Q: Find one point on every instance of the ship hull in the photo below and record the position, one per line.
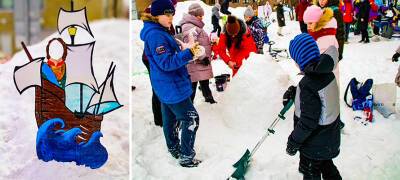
(50, 103)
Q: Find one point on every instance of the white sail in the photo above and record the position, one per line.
(105, 101)
(28, 75)
(73, 18)
(79, 65)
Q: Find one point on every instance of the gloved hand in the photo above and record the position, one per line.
(395, 57)
(232, 64)
(292, 147)
(205, 61)
(288, 95)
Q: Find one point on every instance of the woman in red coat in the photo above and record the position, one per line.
(235, 43)
(348, 14)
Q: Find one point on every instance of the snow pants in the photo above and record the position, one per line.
(184, 113)
(312, 169)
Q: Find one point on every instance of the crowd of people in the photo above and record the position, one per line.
(177, 64)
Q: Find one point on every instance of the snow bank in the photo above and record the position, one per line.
(18, 125)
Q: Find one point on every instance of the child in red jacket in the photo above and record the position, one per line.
(237, 40)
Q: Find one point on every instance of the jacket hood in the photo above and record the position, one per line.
(187, 18)
(149, 26)
(326, 64)
(253, 19)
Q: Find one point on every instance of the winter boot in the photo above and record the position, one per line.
(175, 153)
(191, 163)
(210, 100)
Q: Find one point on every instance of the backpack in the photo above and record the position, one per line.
(362, 98)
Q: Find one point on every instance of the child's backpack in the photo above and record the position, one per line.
(362, 98)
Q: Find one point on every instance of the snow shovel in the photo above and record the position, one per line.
(244, 162)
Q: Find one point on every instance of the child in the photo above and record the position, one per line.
(316, 131)
(280, 16)
(215, 19)
(200, 70)
(256, 27)
(321, 26)
(170, 80)
(214, 45)
(235, 44)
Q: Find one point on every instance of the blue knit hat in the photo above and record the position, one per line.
(162, 7)
(304, 50)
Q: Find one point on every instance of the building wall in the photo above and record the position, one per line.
(7, 35)
(95, 10)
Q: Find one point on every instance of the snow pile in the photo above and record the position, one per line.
(250, 104)
(18, 125)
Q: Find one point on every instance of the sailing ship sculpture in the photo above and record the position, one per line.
(69, 112)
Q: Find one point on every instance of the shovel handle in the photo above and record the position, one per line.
(286, 108)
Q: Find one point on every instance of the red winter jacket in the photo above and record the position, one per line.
(236, 55)
(300, 8)
(348, 12)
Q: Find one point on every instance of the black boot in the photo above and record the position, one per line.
(190, 164)
(210, 100)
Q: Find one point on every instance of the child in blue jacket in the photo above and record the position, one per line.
(170, 80)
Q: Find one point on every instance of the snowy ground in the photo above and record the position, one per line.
(250, 104)
(18, 125)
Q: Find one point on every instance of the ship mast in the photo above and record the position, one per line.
(72, 33)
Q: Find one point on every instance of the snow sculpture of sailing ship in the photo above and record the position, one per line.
(79, 102)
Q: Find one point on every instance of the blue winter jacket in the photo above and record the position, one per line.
(168, 74)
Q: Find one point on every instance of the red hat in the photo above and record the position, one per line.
(232, 26)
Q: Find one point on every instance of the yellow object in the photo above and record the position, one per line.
(7, 30)
(95, 10)
(72, 31)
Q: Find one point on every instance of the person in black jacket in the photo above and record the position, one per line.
(363, 17)
(224, 7)
(316, 131)
(215, 19)
(280, 16)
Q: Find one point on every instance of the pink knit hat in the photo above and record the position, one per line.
(312, 14)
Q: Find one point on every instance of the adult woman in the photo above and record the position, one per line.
(200, 70)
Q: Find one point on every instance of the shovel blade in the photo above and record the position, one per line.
(241, 166)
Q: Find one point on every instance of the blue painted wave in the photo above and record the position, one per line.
(61, 146)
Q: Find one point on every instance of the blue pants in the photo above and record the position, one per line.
(184, 113)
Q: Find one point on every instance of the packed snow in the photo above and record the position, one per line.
(17, 119)
(251, 102)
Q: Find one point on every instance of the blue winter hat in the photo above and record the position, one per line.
(162, 7)
(303, 50)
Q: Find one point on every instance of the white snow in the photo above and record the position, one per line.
(18, 125)
(250, 104)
